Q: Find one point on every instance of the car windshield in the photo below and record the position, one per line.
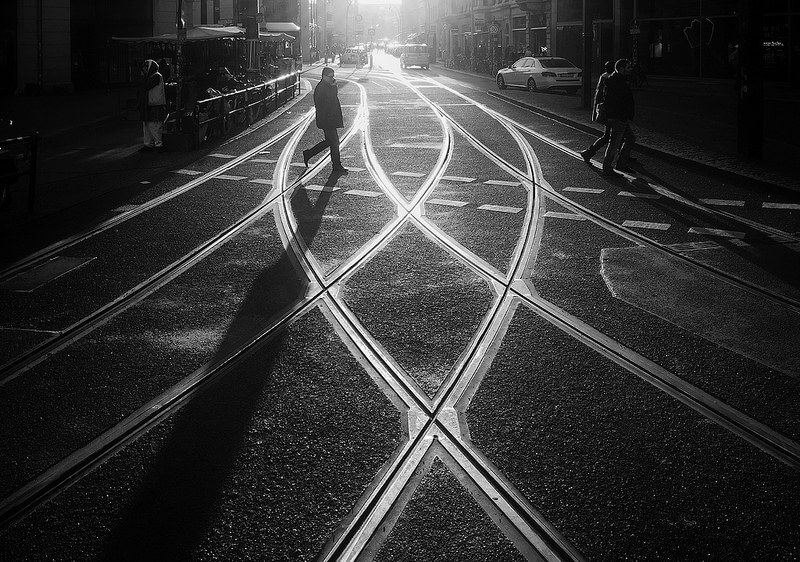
(556, 63)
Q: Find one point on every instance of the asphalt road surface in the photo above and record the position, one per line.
(471, 347)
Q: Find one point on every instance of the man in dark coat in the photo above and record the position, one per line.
(152, 106)
(329, 119)
(618, 101)
(598, 98)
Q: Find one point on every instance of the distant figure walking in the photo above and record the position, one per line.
(152, 106)
(329, 119)
(598, 98)
(619, 104)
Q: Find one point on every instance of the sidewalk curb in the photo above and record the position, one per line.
(650, 151)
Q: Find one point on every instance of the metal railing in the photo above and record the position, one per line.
(14, 151)
(218, 116)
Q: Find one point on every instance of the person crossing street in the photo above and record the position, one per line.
(619, 103)
(329, 119)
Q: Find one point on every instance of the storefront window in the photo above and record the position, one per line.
(672, 48)
(668, 8)
(776, 52)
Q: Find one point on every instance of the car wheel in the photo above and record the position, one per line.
(500, 82)
(532, 85)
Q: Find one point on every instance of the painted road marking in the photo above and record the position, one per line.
(188, 172)
(651, 225)
(353, 169)
(448, 202)
(298, 164)
(217, 155)
(424, 145)
(780, 206)
(639, 195)
(458, 178)
(261, 181)
(502, 182)
(737, 242)
(231, 178)
(29, 281)
(125, 208)
(584, 189)
(264, 161)
(315, 187)
(144, 182)
(499, 208)
(723, 202)
(716, 232)
(694, 246)
(408, 174)
(570, 216)
(362, 193)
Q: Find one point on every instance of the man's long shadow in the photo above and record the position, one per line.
(183, 487)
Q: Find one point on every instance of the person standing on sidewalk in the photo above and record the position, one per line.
(598, 98)
(152, 106)
(619, 104)
(329, 119)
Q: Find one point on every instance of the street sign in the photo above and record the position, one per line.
(494, 29)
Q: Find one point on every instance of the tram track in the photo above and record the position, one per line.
(435, 433)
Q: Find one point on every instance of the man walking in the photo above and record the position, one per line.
(329, 119)
(598, 98)
(152, 107)
(619, 106)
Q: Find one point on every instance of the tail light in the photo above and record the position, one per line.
(550, 74)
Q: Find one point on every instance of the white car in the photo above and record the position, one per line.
(541, 73)
(415, 55)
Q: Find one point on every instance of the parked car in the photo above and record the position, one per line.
(353, 55)
(415, 54)
(541, 73)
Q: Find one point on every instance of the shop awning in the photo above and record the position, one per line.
(275, 37)
(194, 34)
(279, 26)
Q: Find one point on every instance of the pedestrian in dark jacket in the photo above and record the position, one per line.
(598, 98)
(329, 119)
(618, 101)
(152, 106)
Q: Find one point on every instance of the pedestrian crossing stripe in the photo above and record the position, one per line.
(458, 179)
(502, 182)
(780, 206)
(570, 216)
(408, 174)
(217, 155)
(261, 181)
(188, 172)
(298, 164)
(231, 178)
(650, 225)
(362, 193)
(639, 195)
(352, 169)
(499, 208)
(584, 189)
(448, 202)
(315, 187)
(723, 202)
(264, 161)
(144, 182)
(716, 232)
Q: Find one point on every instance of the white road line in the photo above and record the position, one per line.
(264, 161)
(356, 169)
(144, 182)
(362, 193)
(188, 172)
(424, 145)
(780, 206)
(448, 202)
(499, 208)
(458, 178)
(584, 189)
(217, 155)
(570, 216)
(694, 246)
(502, 182)
(408, 174)
(651, 225)
(639, 195)
(716, 232)
(261, 181)
(315, 187)
(231, 178)
(723, 202)
(298, 164)
(125, 208)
